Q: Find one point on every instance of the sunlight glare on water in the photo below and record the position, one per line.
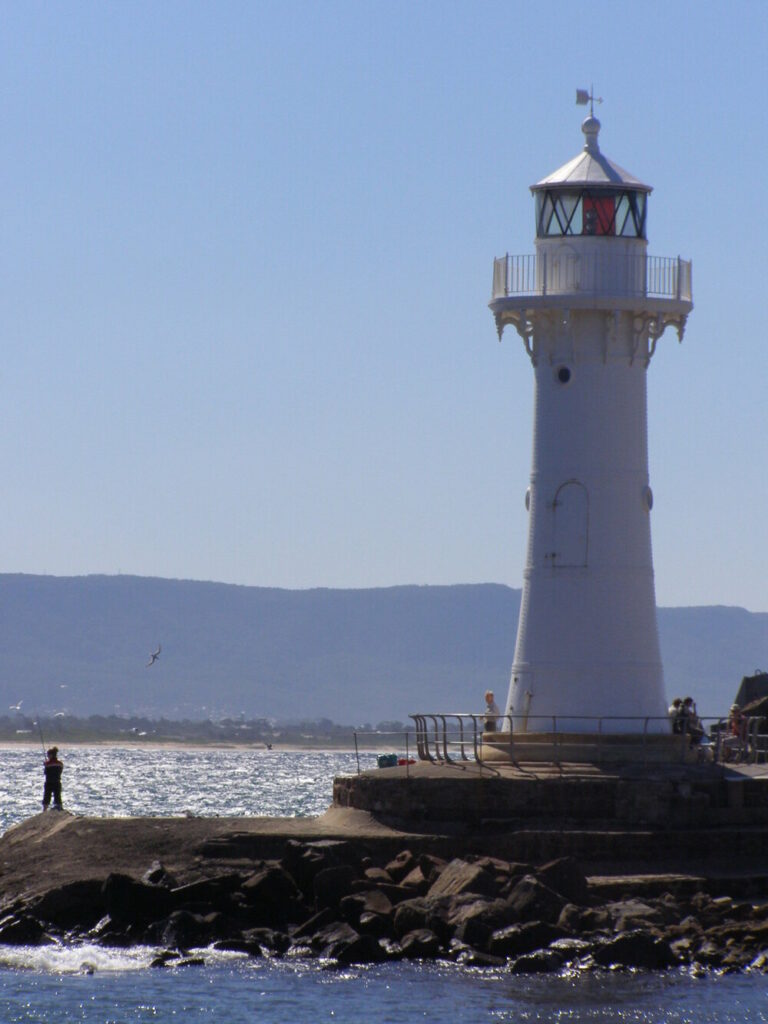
(107, 781)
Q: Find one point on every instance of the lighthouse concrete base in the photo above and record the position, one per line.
(497, 797)
(589, 748)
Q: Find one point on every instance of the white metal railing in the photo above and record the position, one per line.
(605, 273)
(451, 737)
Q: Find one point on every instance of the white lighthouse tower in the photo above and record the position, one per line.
(590, 306)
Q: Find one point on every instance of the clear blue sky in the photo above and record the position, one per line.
(247, 252)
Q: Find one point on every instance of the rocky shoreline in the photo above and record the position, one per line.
(353, 900)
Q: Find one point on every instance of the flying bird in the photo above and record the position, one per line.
(16, 707)
(154, 656)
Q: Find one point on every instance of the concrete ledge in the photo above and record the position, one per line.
(597, 748)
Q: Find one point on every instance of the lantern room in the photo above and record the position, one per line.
(590, 195)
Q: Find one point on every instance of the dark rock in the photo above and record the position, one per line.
(631, 914)
(239, 946)
(410, 915)
(516, 871)
(458, 876)
(333, 934)
(635, 949)
(351, 907)
(497, 867)
(371, 902)
(571, 949)
(109, 933)
(394, 893)
(689, 927)
(416, 881)
(268, 938)
(313, 924)
(272, 895)
(76, 904)
(545, 961)
(363, 949)
(392, 949)
(470, 957)
(128, 901)
(517, 940)
(534, 901)
(570, 918)
(474, 923)
(431, 866)
(331, 885)
(191, 961)
(668, 909)
(401, 865)
(304, 861)
(378, 875)
(207, 890)
(683, 949)
(594, 919)
(565, 876)
(22, 931)
(156, 874)
(184, 930)
(164, 958)
(420, 944)
(708, 954)
(376, 924)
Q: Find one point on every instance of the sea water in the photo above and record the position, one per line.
(81, 982)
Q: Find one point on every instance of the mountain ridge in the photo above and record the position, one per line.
(354, 655)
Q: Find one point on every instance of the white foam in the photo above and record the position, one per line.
(79, 959)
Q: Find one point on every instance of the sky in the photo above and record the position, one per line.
(246, 261)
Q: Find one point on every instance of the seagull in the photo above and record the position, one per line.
(15, 707)
(154, 656)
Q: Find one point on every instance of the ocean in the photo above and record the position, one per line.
(70, 983)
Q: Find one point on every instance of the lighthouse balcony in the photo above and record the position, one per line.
(596, 279)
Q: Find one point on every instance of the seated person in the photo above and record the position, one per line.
(691, 721)
(675, 713)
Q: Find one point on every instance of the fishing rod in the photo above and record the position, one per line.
(40, 730)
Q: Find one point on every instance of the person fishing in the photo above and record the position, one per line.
(52, 768)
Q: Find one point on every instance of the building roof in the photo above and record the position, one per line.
(590, 167)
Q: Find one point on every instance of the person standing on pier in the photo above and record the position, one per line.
(491, 712)
(52, 768)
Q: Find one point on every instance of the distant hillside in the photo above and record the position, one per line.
(81, 644)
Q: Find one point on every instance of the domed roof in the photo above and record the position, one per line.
(590, 168)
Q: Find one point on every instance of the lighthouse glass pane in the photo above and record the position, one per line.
(548, 223)
(640, 207)
(539, 213)
(625, 222)
(598, 215)
(630, 215)
(570, 214)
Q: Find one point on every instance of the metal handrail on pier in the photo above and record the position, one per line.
(454, 737)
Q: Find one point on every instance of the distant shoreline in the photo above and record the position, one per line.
(165, 744)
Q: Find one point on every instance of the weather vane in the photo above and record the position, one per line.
(583, 98)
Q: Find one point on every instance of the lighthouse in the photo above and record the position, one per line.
(590, 307)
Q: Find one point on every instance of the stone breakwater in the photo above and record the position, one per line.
(367, 896)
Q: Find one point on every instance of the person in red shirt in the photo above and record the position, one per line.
(52, 768)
